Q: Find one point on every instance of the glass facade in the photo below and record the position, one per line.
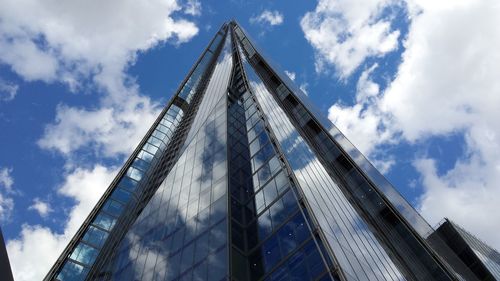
(483, 260)
(240, 178)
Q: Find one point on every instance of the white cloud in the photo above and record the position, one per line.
(363, 123)
(37, 248)
(42, 208)
(53, 40)
(384, 165)
(193, 7)
(290, 75)
(34, 252)
(70, 42)
(268, 17)
(8, 90)
(468, 194)
(344, 33)
(6, 179)
(112, 130)
(446, 84)
(6, 202)
(6, 207)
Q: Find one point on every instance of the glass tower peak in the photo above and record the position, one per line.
(241, 178)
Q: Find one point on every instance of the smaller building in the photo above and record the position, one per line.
(480, 258)
(5, 271)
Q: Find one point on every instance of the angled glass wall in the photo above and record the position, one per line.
(370, 237)
(182, 231)
(127, 188)
(272, 237)
(352, 243)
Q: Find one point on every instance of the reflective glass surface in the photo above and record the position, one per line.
(269, 230)
(125, 193)
(182, 231)
(488, 256)
(254, 183)
(359, 253)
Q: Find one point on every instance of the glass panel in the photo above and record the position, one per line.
(121, 195)
(84, 253)
(72, 272)
(104, 221)
(146, 156)
(95, 236)
(271, 252)
(135, 173)
(140, 164)
(128, 183)
(113, 207)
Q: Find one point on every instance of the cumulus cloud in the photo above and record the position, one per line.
(6, 202)
(112, 130)
(88, 47)
(37, 248)
(41, 207)
(344, 33)
(446, 84)
(6, 207)
(8, 90)
(48, 41)
(6, 179)
(75, 43)
(363, 123)
(76, 51)
(268, 17)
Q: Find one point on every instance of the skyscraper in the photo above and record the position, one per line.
(241, 178)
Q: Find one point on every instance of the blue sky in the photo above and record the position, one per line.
(413, 84)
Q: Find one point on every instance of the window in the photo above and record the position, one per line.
(121, 195)
(84, 253)
(202, 247)
(297, 267)
(278, 213)
(104, 221)
(113, 207)
(314, 262)
(271, 253)
(72, 272)
(264, 224)
(217, 266)
(187, 257)
(127, 184)
(270, 192)
(287, 238)
(264, 174)
(260, 203)
(135, 173)
(145, 156)
(95, 236)
(140, 164)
